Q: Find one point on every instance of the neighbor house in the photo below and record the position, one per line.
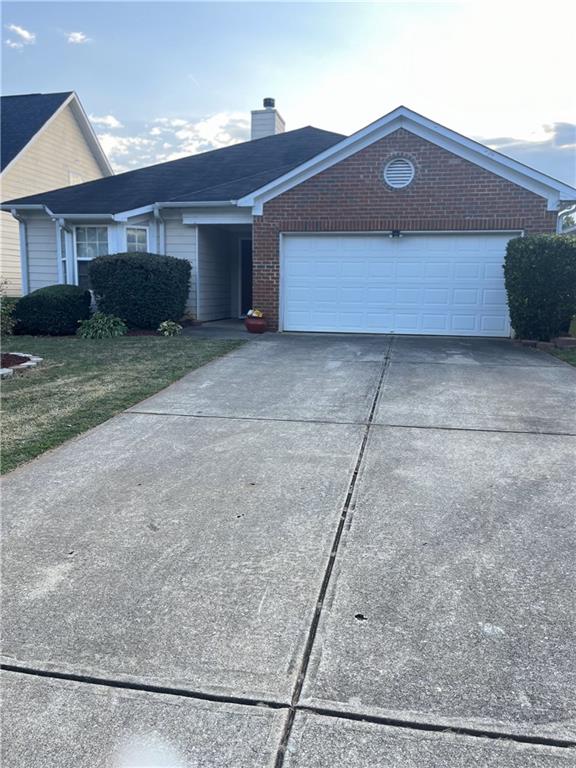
(47, 142)
(398, 228)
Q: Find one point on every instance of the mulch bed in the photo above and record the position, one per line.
(141, 332)
(8, 360)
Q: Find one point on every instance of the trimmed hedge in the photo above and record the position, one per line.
(52, 311)
(143, 289)
(540, 274)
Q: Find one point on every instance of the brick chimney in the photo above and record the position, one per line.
(267, 121)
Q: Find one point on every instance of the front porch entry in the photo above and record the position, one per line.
(224, 276)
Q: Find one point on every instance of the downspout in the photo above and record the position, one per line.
(24, 267)
(60, 268)
(561, 214)
(63, 256)
(160, 229)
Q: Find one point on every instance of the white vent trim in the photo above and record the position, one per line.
(399, 172)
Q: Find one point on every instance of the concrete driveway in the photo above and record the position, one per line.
(317, 552)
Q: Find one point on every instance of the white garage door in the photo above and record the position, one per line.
(423, 284)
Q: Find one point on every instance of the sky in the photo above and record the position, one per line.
(161, 80)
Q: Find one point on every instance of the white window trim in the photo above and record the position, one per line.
(78, 258)
(137, 226)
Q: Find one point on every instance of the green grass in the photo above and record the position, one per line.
(82, 382)
(568, 355)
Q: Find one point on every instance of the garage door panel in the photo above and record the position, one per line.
(434, 284)
(434, 323)
(437, 270)
(493, 297)
(437, 296)
(492, 323)
(380, 269)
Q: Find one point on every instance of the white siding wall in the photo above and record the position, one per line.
(216, 262)
(43, 267)
(182, 242)
(46, 164)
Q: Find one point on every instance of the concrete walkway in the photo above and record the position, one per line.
(316, 552)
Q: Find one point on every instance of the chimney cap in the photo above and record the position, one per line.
(269, 103)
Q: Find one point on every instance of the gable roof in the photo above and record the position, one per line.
(221, 174)
(24, 116)
(250, 173)
(553, 190)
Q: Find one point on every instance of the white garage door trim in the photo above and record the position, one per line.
(431, 283)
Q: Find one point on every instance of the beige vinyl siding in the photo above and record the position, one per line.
(216, 264)
(46, 163)
(42, 260)
(181, 241)
(10, 256)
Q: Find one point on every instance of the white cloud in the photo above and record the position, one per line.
(23, 36)
(170, 122)
(77, 38)
(170, 138)
(123, 145)
(220, 130)
(108, 121)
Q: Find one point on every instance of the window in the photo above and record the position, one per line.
(90, 242)
(136, 239)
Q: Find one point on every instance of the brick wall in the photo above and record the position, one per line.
(447, 193)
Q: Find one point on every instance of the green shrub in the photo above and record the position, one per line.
(101, 326)
(170, 328)
(142, 288)
(54, 311)
(7, 304)
(540, 274)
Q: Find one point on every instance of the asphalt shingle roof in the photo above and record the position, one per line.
(22, 117)
(222, 174)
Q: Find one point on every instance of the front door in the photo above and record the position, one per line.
(245, 276)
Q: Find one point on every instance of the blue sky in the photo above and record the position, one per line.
(172, 78)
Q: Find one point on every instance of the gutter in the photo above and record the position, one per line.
(200, 204)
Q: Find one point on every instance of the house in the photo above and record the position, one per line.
(47, 142)
(400, 227)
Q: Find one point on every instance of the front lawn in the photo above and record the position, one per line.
(83, 382)
(568, 355)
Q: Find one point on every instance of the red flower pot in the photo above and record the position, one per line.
(255, 324)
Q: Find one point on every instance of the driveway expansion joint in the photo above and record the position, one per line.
(145, 687)
(290, 709)
(347, 507)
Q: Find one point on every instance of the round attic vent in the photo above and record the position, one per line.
(398, 173)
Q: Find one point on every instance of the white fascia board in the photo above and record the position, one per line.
(26, 207)
(545, 186)
(125, 215)
(198, 204)
(84, 216)
(204, 216)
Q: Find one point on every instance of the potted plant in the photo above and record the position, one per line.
(255, 321)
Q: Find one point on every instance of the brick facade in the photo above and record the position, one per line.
(447, 193)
